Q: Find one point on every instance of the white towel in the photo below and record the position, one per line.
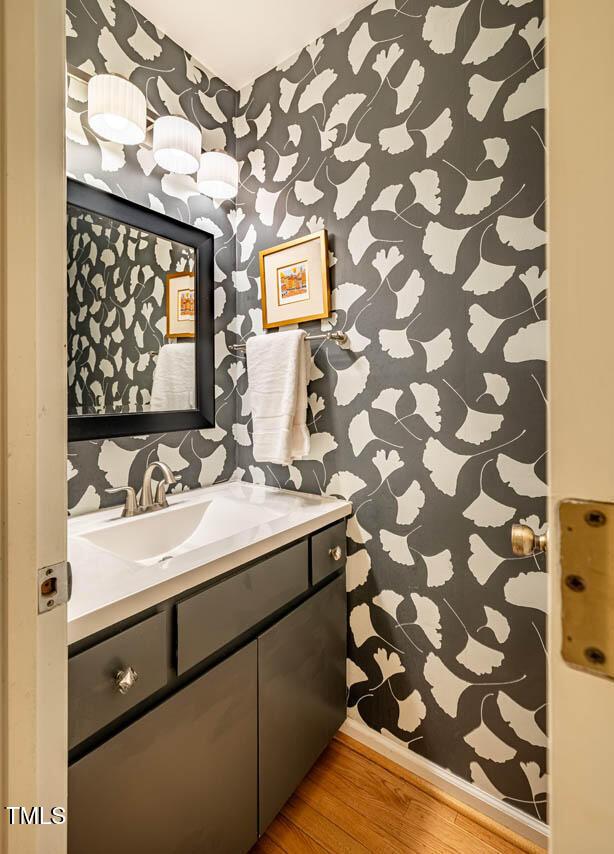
(278, 367)
(174, 379)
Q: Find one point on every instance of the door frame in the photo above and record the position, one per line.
(33, 709)
(580, 431)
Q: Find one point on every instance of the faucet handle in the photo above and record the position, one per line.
(161, 494)
(131, 506)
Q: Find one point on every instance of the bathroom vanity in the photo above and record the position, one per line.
(206, 666)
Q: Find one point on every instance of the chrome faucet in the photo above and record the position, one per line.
(147, 503)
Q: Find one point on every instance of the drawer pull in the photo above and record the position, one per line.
(125, 679)
(336, 553)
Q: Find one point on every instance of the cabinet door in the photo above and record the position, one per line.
(301, 693)
(180, 780)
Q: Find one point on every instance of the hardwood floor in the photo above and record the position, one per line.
(355, 801)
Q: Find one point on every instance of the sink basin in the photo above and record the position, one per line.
(122, 567)
(163, 534)
(152, 536)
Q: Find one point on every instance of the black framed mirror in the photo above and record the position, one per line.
(140, 319)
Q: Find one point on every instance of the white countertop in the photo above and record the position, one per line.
(108, 588)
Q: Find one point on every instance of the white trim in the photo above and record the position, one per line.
(33, 662)
(485, 803)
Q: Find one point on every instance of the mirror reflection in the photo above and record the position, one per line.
(131, 318)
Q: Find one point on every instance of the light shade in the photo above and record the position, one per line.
(176, 144)
(218, 176)
(116, 109)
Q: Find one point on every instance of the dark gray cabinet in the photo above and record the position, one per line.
(182, 779)
(328, 552)
(301, 693)
(184, 763)
(208, 620)
(94, 698)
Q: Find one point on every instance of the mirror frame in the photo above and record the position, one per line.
(112, 425)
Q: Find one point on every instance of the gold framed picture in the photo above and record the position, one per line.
(294, 281)
(180, 305)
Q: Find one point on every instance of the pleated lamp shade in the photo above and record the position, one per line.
(218, 176)
(116, 109)
(176, 144)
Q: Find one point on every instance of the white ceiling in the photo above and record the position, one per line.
(238, 40)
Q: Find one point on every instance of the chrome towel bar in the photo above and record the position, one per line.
(339, 338)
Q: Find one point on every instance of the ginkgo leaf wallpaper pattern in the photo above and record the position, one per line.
(415, 134)
(108, 260)
(110, 36)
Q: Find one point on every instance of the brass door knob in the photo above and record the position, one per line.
(525, 541)
(336, 553)
(125, 679)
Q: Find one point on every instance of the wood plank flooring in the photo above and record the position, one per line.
(356, 802)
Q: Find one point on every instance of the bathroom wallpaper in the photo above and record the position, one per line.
(116, 311)
(110, 36)
(415, 134)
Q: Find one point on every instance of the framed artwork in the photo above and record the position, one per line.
(180, 305)
(294, 281)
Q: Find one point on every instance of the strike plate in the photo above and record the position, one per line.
(587, 584)
(54, 586)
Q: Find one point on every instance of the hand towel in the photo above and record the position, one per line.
(278, 368)
(174, 378)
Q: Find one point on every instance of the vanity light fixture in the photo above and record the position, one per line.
(116, 109)
(176, 144)
(218, 176)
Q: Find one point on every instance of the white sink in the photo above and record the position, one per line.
(121, 567)
(163, 534)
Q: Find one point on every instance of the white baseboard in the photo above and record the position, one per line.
(500, 811)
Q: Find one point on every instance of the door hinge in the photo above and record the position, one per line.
(54, 586)
(587, 584)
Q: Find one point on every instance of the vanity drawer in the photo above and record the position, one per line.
(94, 699)
(323, 551)
(182, 779)
(218, 615)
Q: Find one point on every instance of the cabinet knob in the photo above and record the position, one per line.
(125, 679)
(336, 553)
